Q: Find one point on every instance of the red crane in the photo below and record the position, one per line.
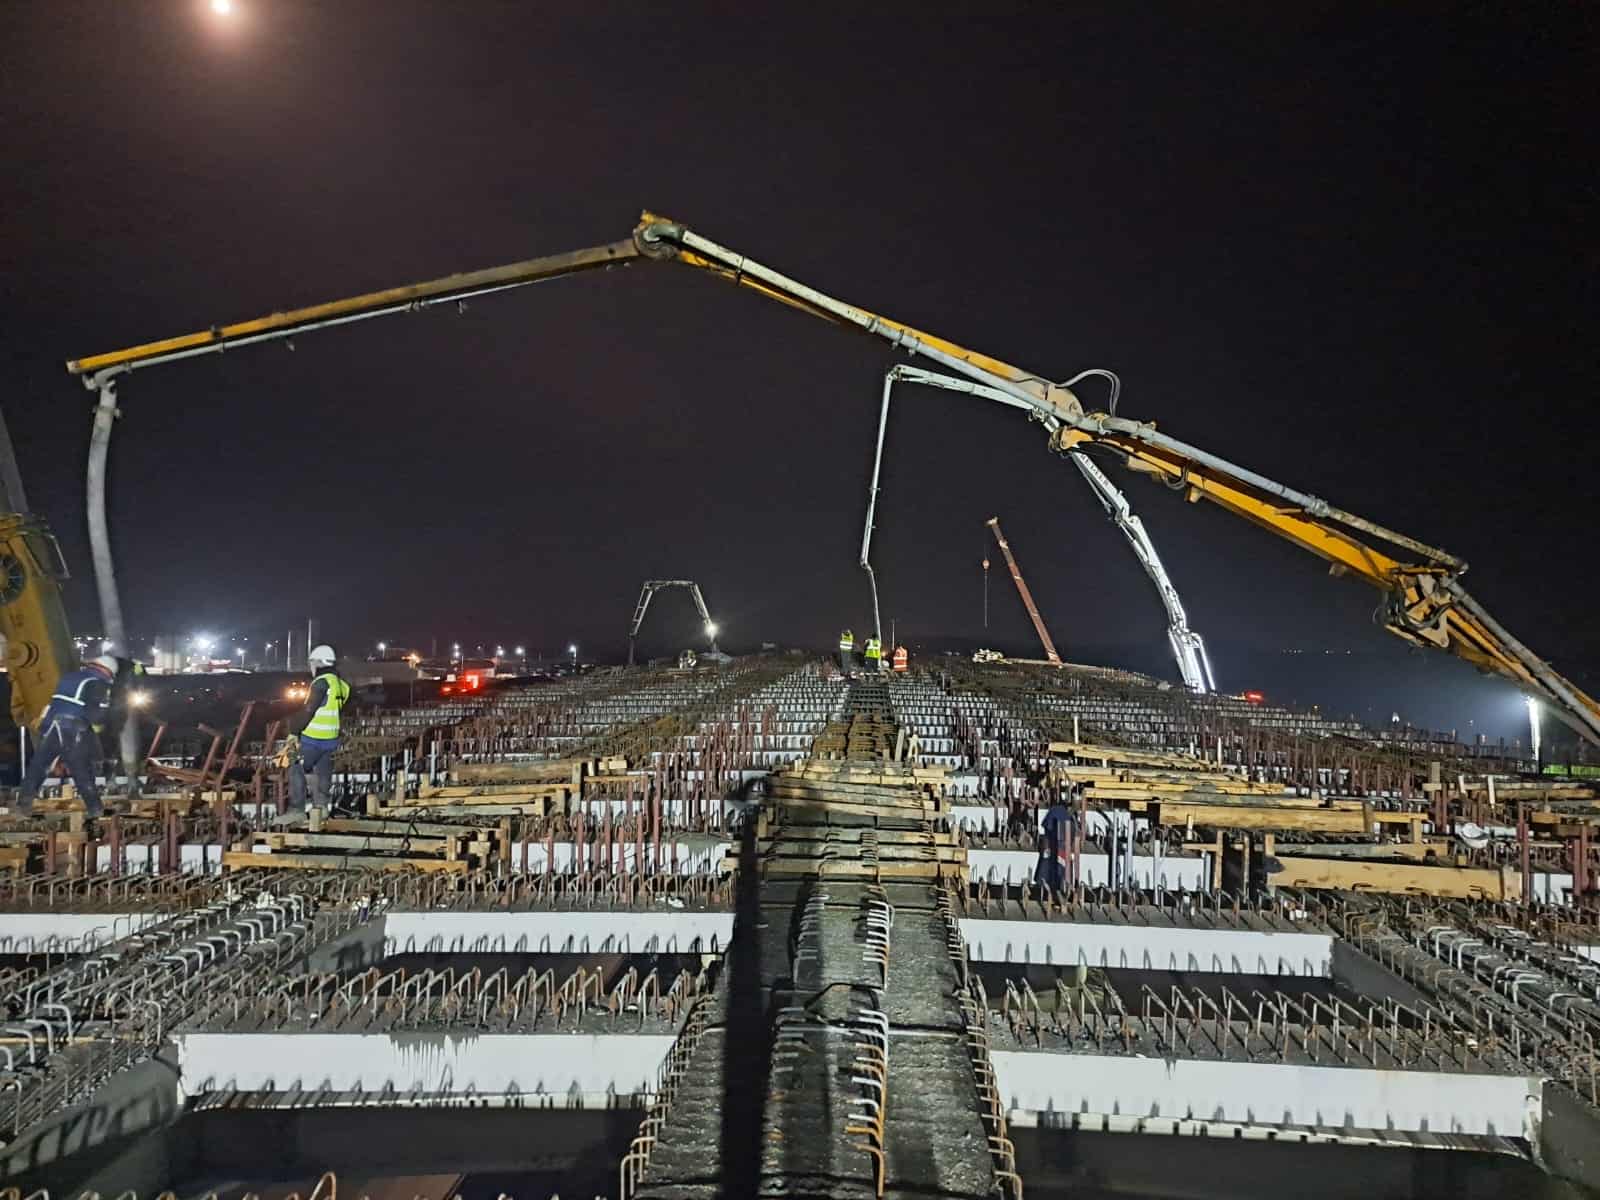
(1027, 596)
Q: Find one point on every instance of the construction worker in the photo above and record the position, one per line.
(314, 730)
(1057, 841)
(847, 651)
(70, 731)
(874, 655)
(902, 659)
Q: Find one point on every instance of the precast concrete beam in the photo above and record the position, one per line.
(577, 1070)
(558, 932)
(1017, 866)
(45, 932)
(144, 858)
(1337, 1097)
(1150, 948)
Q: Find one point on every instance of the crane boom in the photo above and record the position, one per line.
(1425, 602)
(1027, 596)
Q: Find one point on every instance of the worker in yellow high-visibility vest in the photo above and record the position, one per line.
(314, 730)
(874, 654)
(847, 651)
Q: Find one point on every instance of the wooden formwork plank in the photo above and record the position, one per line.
(851, 835)
(782, 848)
(509, 793)
(248, 860)
(338, 842)
(1260, 816)
(404, 812)
(1463, 883)
(1161, 785)
(1125, 754)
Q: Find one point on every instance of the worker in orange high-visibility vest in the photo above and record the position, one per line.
(902, 659)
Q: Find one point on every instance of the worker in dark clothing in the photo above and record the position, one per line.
(314, 730)
(70, 731)
(1056, 836)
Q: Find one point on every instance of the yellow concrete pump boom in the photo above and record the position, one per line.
(1425, 603)
(39, 646)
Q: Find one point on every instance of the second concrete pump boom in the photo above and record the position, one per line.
(647, 593)
(1424, 601)
(1188, 648)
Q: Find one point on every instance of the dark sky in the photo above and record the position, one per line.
(1350, 247)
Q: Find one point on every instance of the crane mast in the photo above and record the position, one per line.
(1022, 590)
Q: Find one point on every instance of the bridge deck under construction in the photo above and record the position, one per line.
(846, 1056)
(766, 930)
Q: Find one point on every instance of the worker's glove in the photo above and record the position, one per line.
(99, 728)
(290, 751)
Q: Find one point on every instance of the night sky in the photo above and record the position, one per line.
(1353, 248)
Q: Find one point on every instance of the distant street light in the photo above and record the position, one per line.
(382, 646)
(222, 8)
(573, 650)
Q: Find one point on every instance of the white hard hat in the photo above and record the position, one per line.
(324, 655)
(106, 661)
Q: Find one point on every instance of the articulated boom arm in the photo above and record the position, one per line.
(1427, 604)
(648, 591)
(1188, 647)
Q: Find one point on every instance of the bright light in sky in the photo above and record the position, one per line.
(222, 7)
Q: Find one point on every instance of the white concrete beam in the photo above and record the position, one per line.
(1017, 866)
(1269, 1093)
(562, 932)
(68, 932)
(1150, 948)
(576, 1069)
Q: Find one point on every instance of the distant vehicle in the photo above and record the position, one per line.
(1255, 698)
(987, 656)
